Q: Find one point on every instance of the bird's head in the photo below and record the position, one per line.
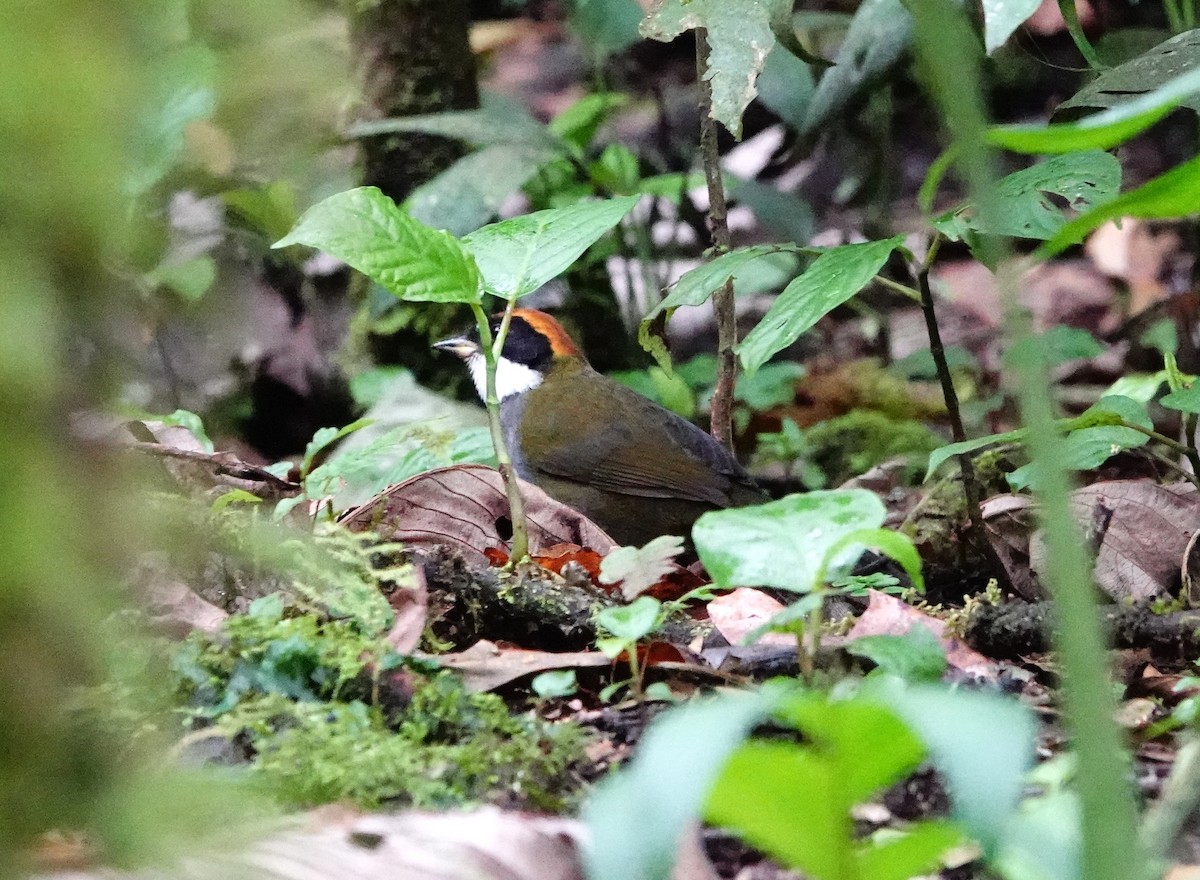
(535, 344)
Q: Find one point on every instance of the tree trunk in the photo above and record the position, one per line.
(414, 57)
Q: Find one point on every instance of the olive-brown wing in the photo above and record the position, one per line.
(592, 430)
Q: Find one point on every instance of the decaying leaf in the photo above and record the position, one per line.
(465, 507)
(888, 616)
(637, 569)
(485, 665)
(1141, 531)
(740, 612)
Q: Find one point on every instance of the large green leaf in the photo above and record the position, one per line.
(879, 35)
(786, 87)
(695, 286)
(802, 792)
(982, 745)
(834, 277)
(518, 256)
(498, 121)
(739, 38)
(184, 91)
(606, 26)
(668, 779)
(1002, 17)
(470, 192)
(1089, 445)
(1160, 66)
(1023, 204)
(1100, 130)
(784, 543)
(366, 229)
(1171, 195)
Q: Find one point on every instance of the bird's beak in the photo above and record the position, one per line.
(459, 346)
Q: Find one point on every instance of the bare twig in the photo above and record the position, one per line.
(971, 488)
(721, 415)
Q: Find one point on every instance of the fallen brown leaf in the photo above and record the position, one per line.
(465, 507)
(735, 615)
(888, 616)
(485, 665)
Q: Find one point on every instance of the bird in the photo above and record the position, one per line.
(637, 470)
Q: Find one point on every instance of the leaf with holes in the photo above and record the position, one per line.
(1172, 195)
(1125, 118)
(739, 38)
(364, 228)
(1165, 63)
(638, 569)
(1028, 201)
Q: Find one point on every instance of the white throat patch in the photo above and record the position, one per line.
(511, 377)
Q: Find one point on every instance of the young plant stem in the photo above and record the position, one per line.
(721, 414)
(971, 487)
(947, 52)
(491, 349)
(1187, 450)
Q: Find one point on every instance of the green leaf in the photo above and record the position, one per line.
(183, 418)
(518, 256)
(498, 121)
(633, 621)
(1061, 344)
(739, 38)
(833, 278)
(1172, 195)
(879, 35)
(773, 385)
(606, 27)
(695, 286)
(638, 569)
(577, 124)
(1075, 28)
(1023, 207)
(915, 853)
(915, 656)
(554, 683)
(1094, 437)
(802, 794)
(782, 543)
(624, 845)
(787, 215)
(269, 209)
(1167, 64)
(982, 744)
(184, 90)
(785, 87)
(951, 450)
(1101, 130)
(1185, 400)
(324, 438)
(191, 279)
(366, 229)
(895, 545)
(1002, 17)
(615, 171)
(471, 191)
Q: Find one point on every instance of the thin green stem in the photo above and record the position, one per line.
(902, 289)
(491, 349)
(948, 54)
